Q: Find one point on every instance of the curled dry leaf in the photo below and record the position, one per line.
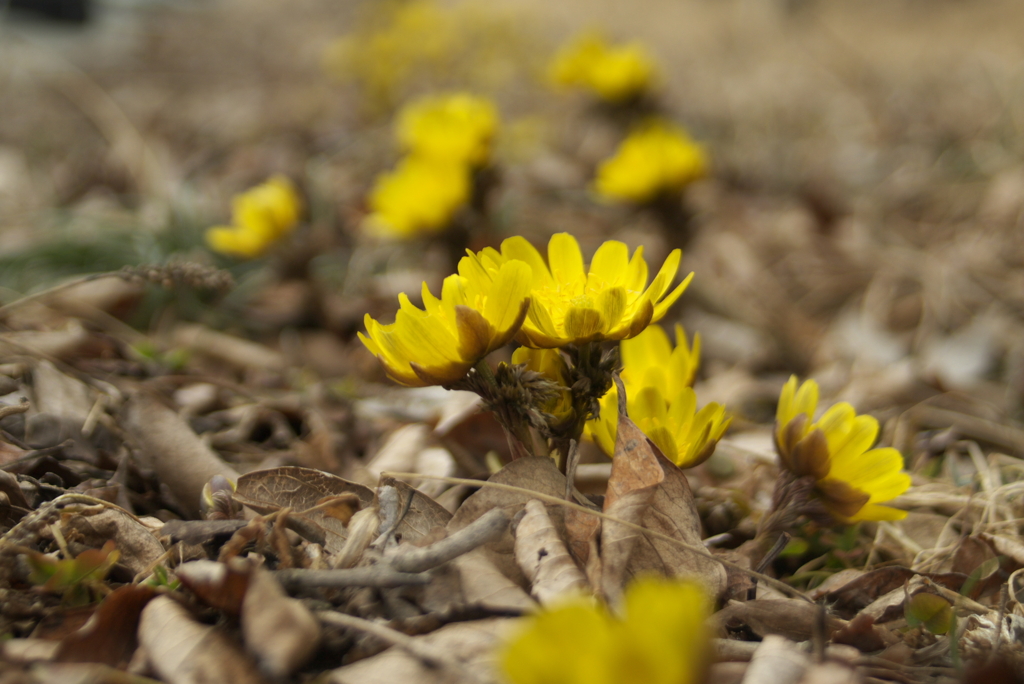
(544, 559)
(279, 631)
(183, 651)
(173, 450)
(219, 585)
(647, 489)
(485, 586)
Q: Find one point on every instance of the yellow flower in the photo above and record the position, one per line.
(662, 638)
(456, 128)
(260, 217)
(550, 364)
(420, 197)
(656, 158)
(614, 73)
(478, 312)
(660, 401)
(852, 478)
(610, 301)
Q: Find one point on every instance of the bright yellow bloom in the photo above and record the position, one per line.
(610, 301)
(478, 312)
(614, 73)
(420, 197)
(660, 401)
(260, 217)
(852, 478)
(656, 158)
(456, 128)
(662, 638)
(550, 364)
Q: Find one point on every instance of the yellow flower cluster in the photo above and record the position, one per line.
(555, 303)
(657, 380)
(479, 311)
(616, 73)
(661, 638)
(851, 478)
(657, 158)
(260, 217)
(398, 45)
(457, 128)
(610, 300)
(445, 137)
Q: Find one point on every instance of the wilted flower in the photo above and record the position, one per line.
(657, 158)
(615, 73)
(610, 301)
(479, 311)
(420, 197)
(661, 638)
(456, 128)
(657, 380)
(260, 217)
(851, 478)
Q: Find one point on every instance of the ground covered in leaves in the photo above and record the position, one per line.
(205, 476)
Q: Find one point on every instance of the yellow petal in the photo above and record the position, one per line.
(565, 259)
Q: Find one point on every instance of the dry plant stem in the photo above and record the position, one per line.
(486, 528)
(403, 641)
(970, 426)
(700, 550)
(38, 453)
(56, 289)
(377, 576)
(13, 410)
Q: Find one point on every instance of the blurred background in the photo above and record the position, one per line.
(861, 221)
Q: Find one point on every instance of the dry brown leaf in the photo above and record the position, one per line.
(279, 631)
(533, 474)
(219, 585)
(485, 586)
(169, 446)
(647, 489)
(300, 489)
(137, 543)
(544, 559)
(1006, 546)
(183, 651)
(424, 515)
(109, 635)
(673, 512)
(469, 644)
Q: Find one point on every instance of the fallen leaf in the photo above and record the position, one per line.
(183, 651)
(300, 489)
(279, 631)
(544, 559)
(109, 637)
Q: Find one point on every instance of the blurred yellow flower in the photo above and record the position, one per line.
(661, 638)
(659, 400)
(479, 311)
(457, 128)
(656, 158)
(851, 477)
(260, 217)
(610, 301)
(420, 197)
(615, 73)
(550, 364)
